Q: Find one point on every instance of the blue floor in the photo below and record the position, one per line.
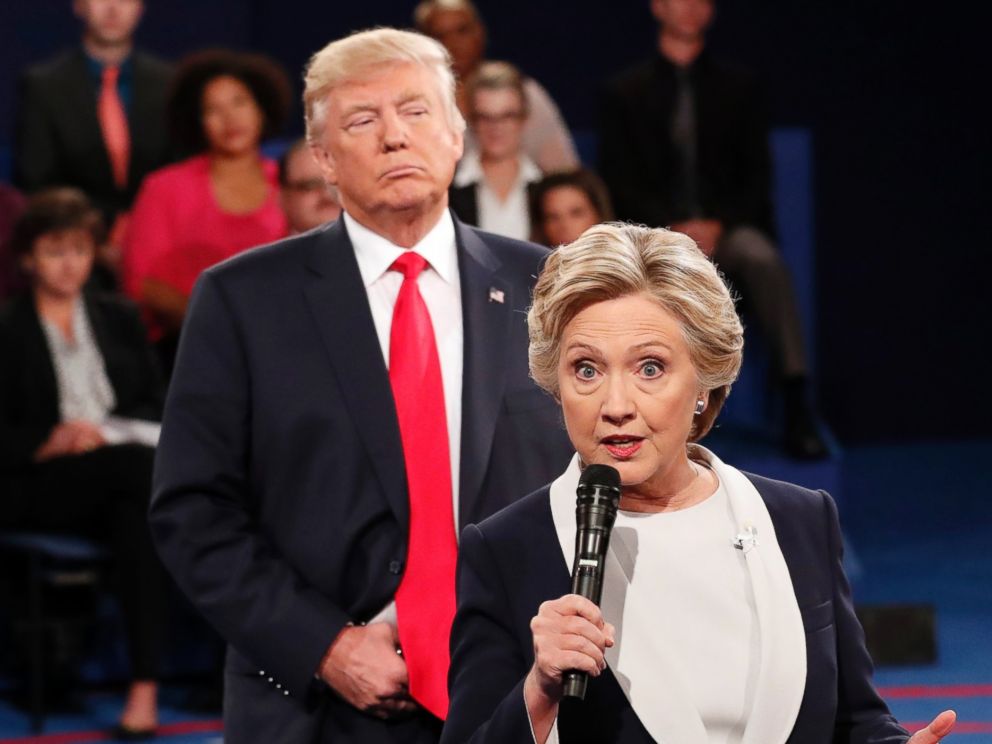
(919, 520)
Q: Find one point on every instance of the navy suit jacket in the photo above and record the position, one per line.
(512, 562)
(280, 498)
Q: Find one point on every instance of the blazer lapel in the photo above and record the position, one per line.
(486, 323)
(339, 303)
(81, 99)
(39, 357)
(782, 676)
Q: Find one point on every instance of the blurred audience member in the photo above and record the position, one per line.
(94, 117)
(457, 25)
(11, 206)
(565, 205)
(490, 187)
(78, 386)
(225, 199)
(307, 199)
(684, 144)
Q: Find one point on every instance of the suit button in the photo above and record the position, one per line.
(395, 567)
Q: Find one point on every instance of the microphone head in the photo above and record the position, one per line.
(603, 476)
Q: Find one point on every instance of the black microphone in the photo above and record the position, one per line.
(597, 499)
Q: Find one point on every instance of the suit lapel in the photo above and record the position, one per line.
(81, 100)
(782, 673)
(138, 117)
(486, 324)
(339, 304)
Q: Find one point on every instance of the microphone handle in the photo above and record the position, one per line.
(588, 583)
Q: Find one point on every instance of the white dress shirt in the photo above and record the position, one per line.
(440, 287)
(509, 217)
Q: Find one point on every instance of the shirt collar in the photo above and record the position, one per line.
(470, 170)
(95, 67)
(375, 253)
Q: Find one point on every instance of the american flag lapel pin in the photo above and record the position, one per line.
(496, 295)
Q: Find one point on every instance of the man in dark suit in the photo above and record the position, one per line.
(94, 117)
(342, 400)
(684, 144)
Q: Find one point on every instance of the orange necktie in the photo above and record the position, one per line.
(425, 600)
(113, 125)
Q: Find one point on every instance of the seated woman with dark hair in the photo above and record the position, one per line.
(78, 388)
(193, 214)
(564, 205)
(725, 615)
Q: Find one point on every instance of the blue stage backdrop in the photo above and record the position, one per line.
(890, 91)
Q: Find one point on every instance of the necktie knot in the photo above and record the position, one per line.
(410, 264)
(110, 74)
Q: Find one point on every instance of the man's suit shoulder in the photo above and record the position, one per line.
(515, 255)
(49, 70)
(70, 60)
(152, 66)
(641, 79)
(270, 261)
(632, 80)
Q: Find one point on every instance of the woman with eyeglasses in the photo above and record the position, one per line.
(491, 187)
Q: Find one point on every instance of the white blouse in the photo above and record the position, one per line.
(686, 576)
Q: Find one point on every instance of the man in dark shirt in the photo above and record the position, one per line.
(684, 144)
(94, 116)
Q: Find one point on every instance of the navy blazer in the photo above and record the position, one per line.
(512, 562)
(280, 499)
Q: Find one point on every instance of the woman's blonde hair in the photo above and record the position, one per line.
(614, 260)
(359, 54)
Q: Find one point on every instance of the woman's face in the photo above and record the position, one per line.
(628, 389)
(60, 262)
(498, 118)
(232, 119)
(566, 213)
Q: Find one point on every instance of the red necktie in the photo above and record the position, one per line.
(113, 125)
(425, 601)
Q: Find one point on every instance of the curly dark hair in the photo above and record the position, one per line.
(265, 78)
(55, 210)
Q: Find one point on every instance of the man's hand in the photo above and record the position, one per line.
(364, 667)
(706, 233)
(70, 438)
(939, 728)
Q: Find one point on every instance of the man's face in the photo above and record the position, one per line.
(387, 143)
(462, 35)
(685, 19)
(306, 199)
(109, 21)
